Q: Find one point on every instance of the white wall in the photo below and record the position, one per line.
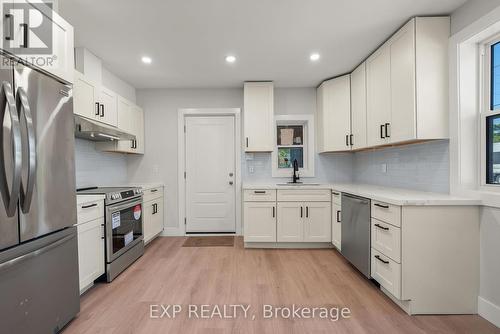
(473, 22)
(117, 85)
(469, 12)
(490, 255)
(159, 164)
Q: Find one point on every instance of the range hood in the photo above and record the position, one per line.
(96, 131)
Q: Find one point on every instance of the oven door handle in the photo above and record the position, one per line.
(123, 205)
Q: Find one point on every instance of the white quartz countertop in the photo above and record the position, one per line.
(394, 196)
(283, 186)
(148, 185)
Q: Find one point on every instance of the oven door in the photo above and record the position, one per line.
(123, 227)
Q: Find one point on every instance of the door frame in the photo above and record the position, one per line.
(181, 121)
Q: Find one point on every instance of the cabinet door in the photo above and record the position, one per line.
(358, 107)
(148, 222)
(378, 95)
(158, 216)
(84, 97)
(318, 222)
(125, 122)
(259, 220)
(290, 222)
(53, 51)
(258, 116)
(108, 110)
(90, 252)
(336, 114)
(336, 226)
(139, 130)
(403, 108)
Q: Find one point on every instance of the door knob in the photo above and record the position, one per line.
(231, 174)
(231, 183)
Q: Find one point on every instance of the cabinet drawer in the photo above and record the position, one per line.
(259, 195)
(386, 272)
(305, 195)
(386, 239)
(336, 197)
(152, 194)
(91, 210)
(388, 213)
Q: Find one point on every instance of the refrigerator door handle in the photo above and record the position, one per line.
(23, 108)
(7, 101)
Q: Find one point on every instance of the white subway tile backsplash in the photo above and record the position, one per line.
(95, 168)
(419, 166)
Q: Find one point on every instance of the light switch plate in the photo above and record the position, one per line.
(383, 168)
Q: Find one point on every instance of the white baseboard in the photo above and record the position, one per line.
(489, 311)
(172, 232)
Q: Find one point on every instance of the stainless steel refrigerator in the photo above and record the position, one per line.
(39, 290)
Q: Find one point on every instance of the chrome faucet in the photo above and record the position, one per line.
(295, 176)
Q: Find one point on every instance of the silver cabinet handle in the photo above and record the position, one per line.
(10, 36)
(23, 107)
(7, 101)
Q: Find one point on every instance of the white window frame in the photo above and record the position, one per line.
(485, 109)
(308, 122)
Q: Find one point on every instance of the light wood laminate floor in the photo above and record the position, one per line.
(171, 274)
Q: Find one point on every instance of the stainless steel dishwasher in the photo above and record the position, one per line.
(356, 232)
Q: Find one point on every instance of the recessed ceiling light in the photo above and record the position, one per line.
(230, 59)
(314, 57)
(146, 60)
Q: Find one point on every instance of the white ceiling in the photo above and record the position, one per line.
(272, 39)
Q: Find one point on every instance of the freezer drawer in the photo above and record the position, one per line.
(39, 284)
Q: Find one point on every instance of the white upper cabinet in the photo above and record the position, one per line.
(84, 97)
(378, 95)
(130, 118)
(108, 112)
(407, 84)
(53, 54)
(258, 116)
(358, 107)
(402, 124)
(334, 115)
(91, 100)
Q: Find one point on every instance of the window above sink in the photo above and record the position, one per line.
(294, 136)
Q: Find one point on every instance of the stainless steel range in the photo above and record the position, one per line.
(123, 226)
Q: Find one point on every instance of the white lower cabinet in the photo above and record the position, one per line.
(153, 219)
(336, 225)
(153, 212)
(318, 221)
(304, 222)
(90, 252)
(386, 239)
(260, 221)
(290, 221)
(386, 272)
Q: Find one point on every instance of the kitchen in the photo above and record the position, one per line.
(250, 167)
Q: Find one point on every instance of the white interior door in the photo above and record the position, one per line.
(210, 174)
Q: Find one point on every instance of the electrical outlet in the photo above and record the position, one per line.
(383, 168)
(251, 169)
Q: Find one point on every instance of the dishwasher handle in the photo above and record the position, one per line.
(358, 199)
